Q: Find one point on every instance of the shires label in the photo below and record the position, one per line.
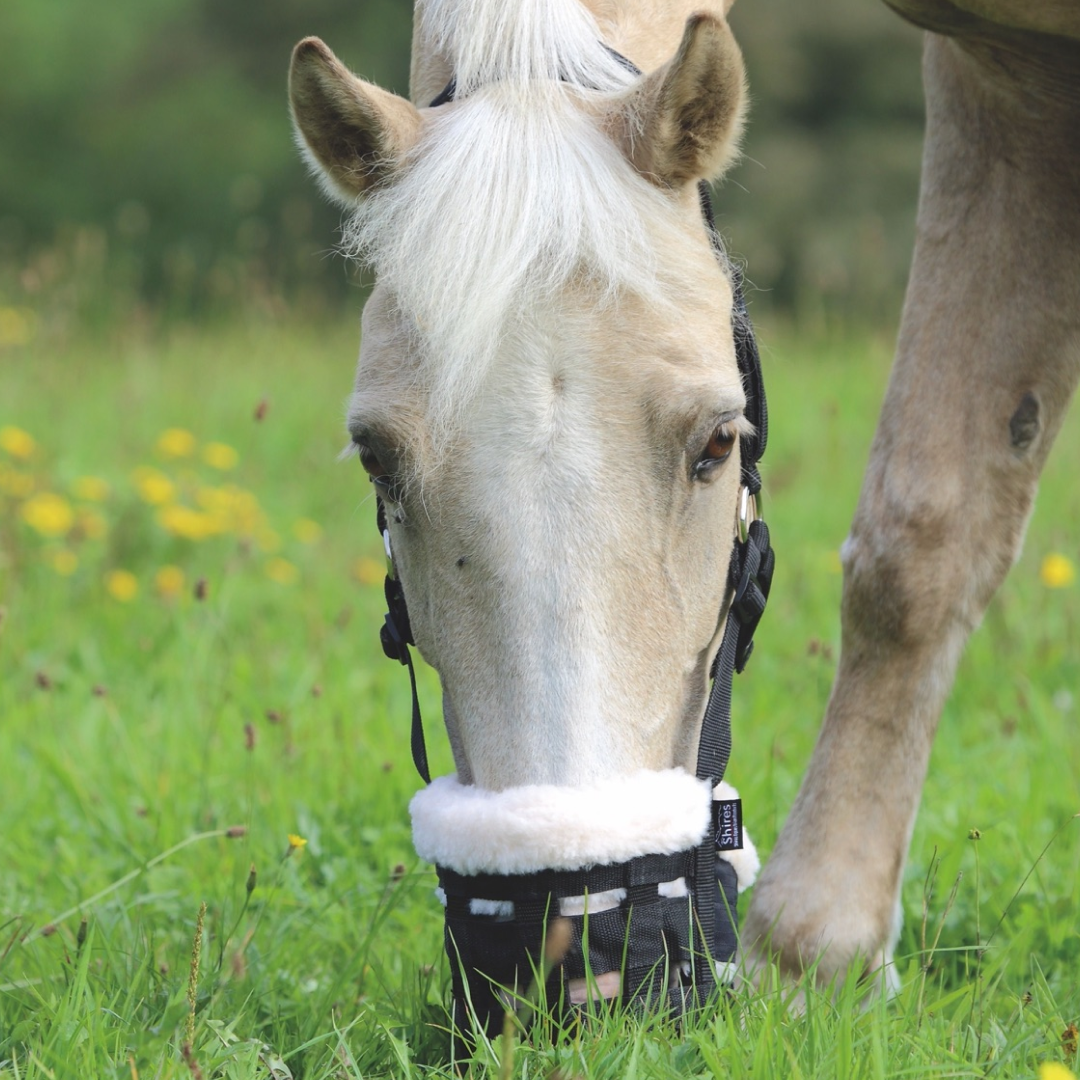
(727, 814)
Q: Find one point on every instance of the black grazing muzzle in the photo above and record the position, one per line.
(666, 943)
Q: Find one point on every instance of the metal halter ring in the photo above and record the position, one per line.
(748, 512)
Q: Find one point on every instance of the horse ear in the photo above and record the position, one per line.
(685, 118)
(353, 133)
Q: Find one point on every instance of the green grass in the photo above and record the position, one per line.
(134, 734)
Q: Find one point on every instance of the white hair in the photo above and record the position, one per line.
(513, 191)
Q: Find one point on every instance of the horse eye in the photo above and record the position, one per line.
(717, 451)
(372, 465)
(720, 445)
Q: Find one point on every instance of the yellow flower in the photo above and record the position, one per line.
(169, 582)
(64, 562)
(1053, 1070)
(307, 531)
(17, 326)
(92, 525)
(296, 842)
(122, 585)
(14, 483)
(220, 456)
(16, 442)
(186, 523)
(154, 487)
(369, 571)
(267, 539)
(176, 443)
(48, 514)
(1057, 571)
(90, 489)
(282, 571)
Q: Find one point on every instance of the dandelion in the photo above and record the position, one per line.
(307, 531)
(48, 514)
(186, 523)
(369, 571)
(91, 524)
(122, 585)
(267, 539)
(1054, 1070)
(169, 582)
(90, 489)
(1057, 571)
(17, 326)
(16, 442)
(14, 483)
(296, 843)
(282, 571)
(64, 562)
(154, 487)
(220, 456)
(176, 443)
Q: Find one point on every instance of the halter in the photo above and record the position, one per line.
(668, 944)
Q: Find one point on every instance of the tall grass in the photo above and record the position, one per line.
(242, 744)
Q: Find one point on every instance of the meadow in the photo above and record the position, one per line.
(205, 859)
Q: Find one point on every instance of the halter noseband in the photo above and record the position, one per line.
(668, 943)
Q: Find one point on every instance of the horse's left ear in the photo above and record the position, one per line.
(683, 121)
(353, 133)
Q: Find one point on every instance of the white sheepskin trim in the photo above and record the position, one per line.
(592, 904)
(544, 827)
(745, 859)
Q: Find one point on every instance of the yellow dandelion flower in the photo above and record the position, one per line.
(16, 442)
(282, 571)
(187, 523)
(266, 538)
(122, 585)
(1057, 571)
(296, 841)
(154, 487)
(1054, 1070)
(64, 562)
(90, 489)
(176, 443)
(48, 514)
(369, 571)
(169, 582)
(91, 524)
(17, 326)
(221, 456)
(14, 483)
(307, 531)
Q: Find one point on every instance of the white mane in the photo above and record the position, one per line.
(513, 191)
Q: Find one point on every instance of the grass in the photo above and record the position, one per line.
(249, 751)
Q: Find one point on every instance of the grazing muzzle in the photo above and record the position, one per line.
(625, 891)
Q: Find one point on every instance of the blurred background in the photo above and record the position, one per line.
(148, 175)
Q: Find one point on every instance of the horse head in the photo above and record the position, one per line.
(549, 405)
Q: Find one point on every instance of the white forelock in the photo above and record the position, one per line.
(512, 193)
(519, 41)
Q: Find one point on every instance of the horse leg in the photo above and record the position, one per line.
(987, 359)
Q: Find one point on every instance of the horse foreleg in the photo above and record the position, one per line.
(987, 360)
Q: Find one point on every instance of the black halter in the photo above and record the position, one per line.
(668, 934)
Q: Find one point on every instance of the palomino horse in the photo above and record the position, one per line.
(549, 403)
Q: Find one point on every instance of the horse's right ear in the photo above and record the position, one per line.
(683, 121)
(354, 134)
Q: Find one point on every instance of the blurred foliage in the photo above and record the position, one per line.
(147, 165)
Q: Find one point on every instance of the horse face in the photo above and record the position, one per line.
(548, 399)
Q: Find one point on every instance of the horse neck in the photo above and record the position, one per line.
(647, 32)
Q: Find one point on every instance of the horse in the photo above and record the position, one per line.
(550, 405)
